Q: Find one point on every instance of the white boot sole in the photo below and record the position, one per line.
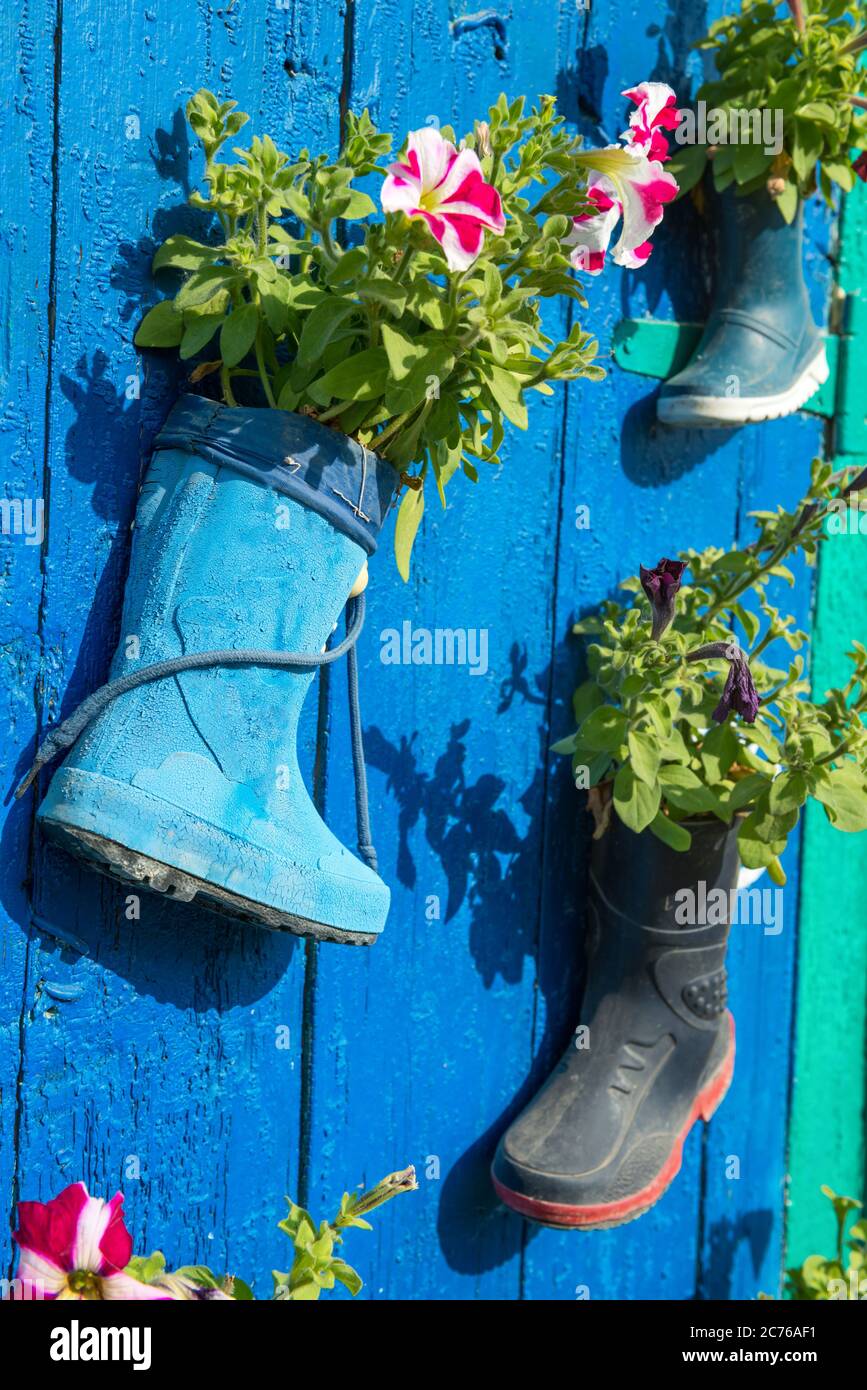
(705, 412)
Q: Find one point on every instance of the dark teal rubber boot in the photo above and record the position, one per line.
(654, 1053)
(761, 355)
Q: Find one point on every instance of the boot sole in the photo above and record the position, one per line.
(725, 412)
(603, 1215)
(109, 857)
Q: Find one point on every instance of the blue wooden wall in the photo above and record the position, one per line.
(143, 1055)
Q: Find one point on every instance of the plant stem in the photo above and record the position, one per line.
(226, 383)
(263, 373)
(406, 262)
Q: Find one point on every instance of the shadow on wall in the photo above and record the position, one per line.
(753, 1228)
(494, 872)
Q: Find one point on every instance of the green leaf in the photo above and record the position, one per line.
(587, 697)
(360, 377)
(506, 391)
(182, 253)
(788, 792)
(787, 202)
(634, 801)
(425, 380)
(320, 327)
(842, 174)
(198, 332)
(203, 285)
(746, 790)
(687, 165)
(384, 292)
(403, 352)
(644, 756)
(409, 517)
(719, 750)
(670, 832)
(199, 1274)
(806, 147)
(146, 1268)
(749, 162)
(756, 852)
(429, 304)
(359, 205)
(844, 799)
(347, 1276)
(604, 729)
(684, 791)
(238, 334)
(160, 327)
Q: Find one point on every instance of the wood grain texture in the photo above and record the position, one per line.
(163, 1062)
(26, 137)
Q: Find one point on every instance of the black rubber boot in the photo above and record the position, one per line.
(603, 1139)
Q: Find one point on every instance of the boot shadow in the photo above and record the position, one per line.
(493, 872)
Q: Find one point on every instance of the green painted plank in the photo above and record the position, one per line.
(827, 1134)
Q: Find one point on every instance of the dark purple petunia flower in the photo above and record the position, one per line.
(661, 585)
(740, 694)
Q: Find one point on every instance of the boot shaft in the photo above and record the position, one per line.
(760, 259)
(662, 915)
(250, 531)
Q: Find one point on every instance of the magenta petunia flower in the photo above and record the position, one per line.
(655, 113)
(624, 185)
(77, 1247)
(661, 585)
(447, 188)
(860, 166)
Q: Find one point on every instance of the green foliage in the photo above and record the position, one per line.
(315, 1266)
(766, 61)
(366, 328)
(645, 733)
(844, 1276)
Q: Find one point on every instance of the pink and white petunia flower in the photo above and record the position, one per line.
(592, 231)
(77, 1247)
(639, 188)
(447, 188)
(655, 113)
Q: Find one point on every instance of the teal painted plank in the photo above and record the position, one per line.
(163, 1074)
(745, 1200)
(26, 124)
(422, 1043)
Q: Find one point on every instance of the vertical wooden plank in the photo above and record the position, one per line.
(651, 491)
(665, 490)
(827, 1143)
(26, 185)
(422, 1041)
(151, 1055)
(744, 1215)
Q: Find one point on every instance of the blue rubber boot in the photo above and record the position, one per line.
(761, 355)
(252, 528)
